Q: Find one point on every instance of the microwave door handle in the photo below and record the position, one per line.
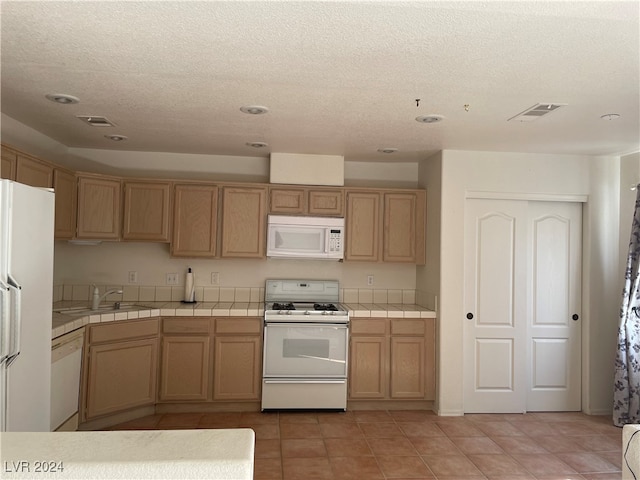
(327, 239)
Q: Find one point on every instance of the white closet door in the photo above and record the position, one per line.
(495, 304)
(522, 286)
(555, 313)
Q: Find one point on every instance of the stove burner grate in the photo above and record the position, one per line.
(283, 306)
(325, 307)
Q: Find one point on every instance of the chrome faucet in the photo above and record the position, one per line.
(97, 298)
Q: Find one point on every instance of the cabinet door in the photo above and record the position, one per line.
(8, 164)
(326, 202)
(287, 201)
(399, 237)
(237, 367)
(195, 221)
(65, 187)
(98, 208)
(243, 222)
(32, 172)
(146, 211)
(407, 372)
(184, 370)
(363, 226)
(122, 375)
(368, 367)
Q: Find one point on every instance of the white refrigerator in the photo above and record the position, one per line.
(26, 290)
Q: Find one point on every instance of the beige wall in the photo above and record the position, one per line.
(536, 176)
(110, 262)
(428, 276)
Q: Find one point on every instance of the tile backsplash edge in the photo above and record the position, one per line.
(168, 293)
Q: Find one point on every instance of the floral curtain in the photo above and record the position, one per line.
(626, 396)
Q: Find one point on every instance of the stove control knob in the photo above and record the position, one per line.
(307, 312)
(289, 312)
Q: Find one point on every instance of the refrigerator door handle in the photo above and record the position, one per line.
(14, 349)
(4, 315)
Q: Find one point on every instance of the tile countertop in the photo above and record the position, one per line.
(64, 323)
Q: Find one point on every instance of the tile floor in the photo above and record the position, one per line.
(371, 445)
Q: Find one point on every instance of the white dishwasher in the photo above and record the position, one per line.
(66, 360)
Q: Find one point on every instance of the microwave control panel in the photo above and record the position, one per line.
(335, 240)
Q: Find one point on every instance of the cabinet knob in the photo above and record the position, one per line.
(575, 317)
(469, 316)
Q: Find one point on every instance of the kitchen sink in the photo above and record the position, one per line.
(80, 311)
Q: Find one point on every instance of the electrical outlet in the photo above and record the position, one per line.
(215, 278)
(172, 279)
(369, 280)
(133, 277)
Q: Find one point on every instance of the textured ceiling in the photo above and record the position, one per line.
(338, 77)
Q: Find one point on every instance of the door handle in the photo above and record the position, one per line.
(575, 317)
(469, 316)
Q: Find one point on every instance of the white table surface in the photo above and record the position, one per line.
(158, 454)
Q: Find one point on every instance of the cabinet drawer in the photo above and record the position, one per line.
(407, 327)
(368, 326)
(239, 325)
(185, 325)
(123, 331)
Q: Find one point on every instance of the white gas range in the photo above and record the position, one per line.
(306, 340)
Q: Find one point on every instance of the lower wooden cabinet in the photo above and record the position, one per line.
(207, 359)
(120, 367)
(185, 368)
(392, 359)
(368, 367)
(237, 364)
(136, 363)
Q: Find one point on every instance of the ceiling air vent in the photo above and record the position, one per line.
(537, 111)
(96, 121)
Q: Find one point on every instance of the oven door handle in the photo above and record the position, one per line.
(306, 324)
(306, 381)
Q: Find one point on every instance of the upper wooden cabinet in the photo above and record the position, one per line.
(98, 208)
(404, 227)
(326, 202)
(386, 226)
(146, 211)
(195, 220)
(34, 172)
(8, 163)
(244, 222)
(66, 190)
(363, 227)
(287, 200)
(306, 201)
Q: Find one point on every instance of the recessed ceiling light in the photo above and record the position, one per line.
(388, 150)
(62, 98)
(610, 116)
(256, 144)
(429, 118)
(254, 109)
(116, 138)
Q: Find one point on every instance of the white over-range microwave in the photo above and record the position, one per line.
(305, 237)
